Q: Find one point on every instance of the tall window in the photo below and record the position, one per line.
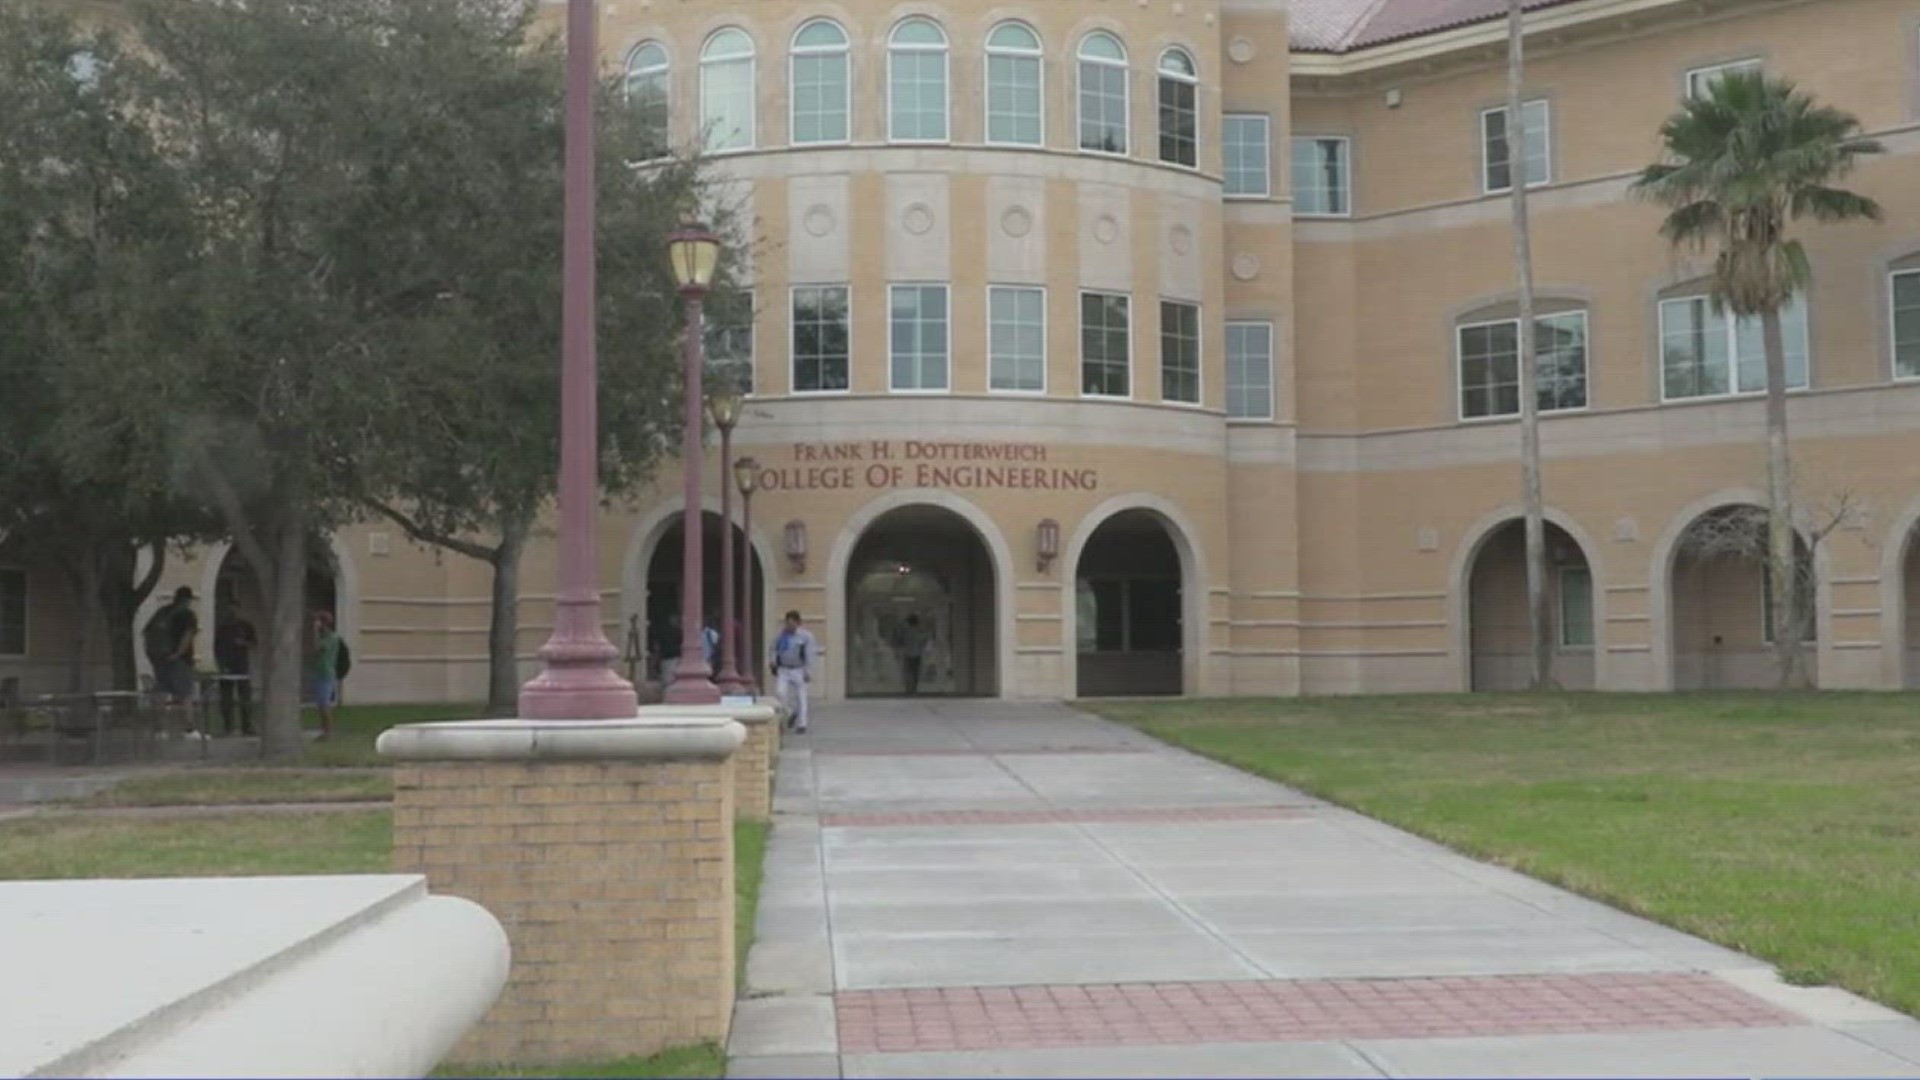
(1015, 101)
(1250, 371)
(1701, 80)
(1576, 607)
(1490, 365)
(1179, 109)
(1906, 324)
(822, 90)
(821, 338)
(1105, 341)
(1496, 149)
(1320, 176)
(13, 612)
(917, 82)
(1103, 94)
(1245, 146)
(726, 90)
(1179, 352)
(730, 339)
(1708, 353)
(917, 337)
(648, 76)
(1017, 339)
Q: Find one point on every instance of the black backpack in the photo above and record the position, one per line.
(342, 661)
(157, 636)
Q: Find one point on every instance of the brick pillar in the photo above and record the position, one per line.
(606, 851)
(753, 762)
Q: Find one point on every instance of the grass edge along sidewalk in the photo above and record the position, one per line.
(1779, 825)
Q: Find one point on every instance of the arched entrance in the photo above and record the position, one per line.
(920, 612)
(1722, 603)
(236, 594)
(1129, 607)
(1499, 639)
(1908, 642)
(656, 622)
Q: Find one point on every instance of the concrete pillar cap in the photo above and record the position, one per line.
(675, 736)
(760, 712)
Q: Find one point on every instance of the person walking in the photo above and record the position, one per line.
(325, 670)
(234, 640)
(913, 653)
(169, 637)
(793, 653)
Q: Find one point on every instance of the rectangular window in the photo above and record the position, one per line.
(730, 339)
(820, 97)
(1700, 80)
(1496, 152)
(1320, 176)
(1576, 607)
(821, 338)
(1179, 352)
(1244, 142)
(1017, 339)
(1705, 353)
(917, 337)
(13, 612)
(1103, 107)
(1105, 340)
(1490, 365)
(918, 78)
(1250, 371)
(1014, 103)
(1906, 324)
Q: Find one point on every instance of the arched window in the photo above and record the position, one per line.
(822, 87)
(917, 82)
(1103, 94)
(1179, 109)
(648, 94)
(1015, 94)
(726, 90)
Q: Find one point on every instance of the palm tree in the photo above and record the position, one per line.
(1533, 505)
(1745, 159)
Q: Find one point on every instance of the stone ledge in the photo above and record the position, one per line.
(675, 735)
(750, 715)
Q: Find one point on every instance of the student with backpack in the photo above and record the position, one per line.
(168, 639)
(331, 662)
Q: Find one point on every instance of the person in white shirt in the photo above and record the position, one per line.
(793, 654)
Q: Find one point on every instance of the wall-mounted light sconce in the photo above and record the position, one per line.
(797, 545)
(1046, 540)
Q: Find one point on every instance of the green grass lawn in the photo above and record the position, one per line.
(225, 786)
(355, 727)
(1783, 825)
(749, 859)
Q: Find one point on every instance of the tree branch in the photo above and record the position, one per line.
(228, 502)
(425, 535)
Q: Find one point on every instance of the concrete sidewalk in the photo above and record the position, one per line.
(992, 889)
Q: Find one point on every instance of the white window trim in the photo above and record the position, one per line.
(1460, 367)
(1515, 164)
(1893, 329)
(1046, 331)
(795, 51)
(26, 621)
(793, 388)
(1160, 72)
(704, 63)
(1693, 74)
(1733, 353)
(913, 390)
(1080, 358)
(1199, 354)
(1346, 176)
(986, 83)
(1273, 374)
(945, 49)
(665, 68)
(1266, 138)
(1125, 64)
(1560, 610)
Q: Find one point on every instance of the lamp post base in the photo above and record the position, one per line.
(692, 685)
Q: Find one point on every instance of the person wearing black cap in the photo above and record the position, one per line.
(183, 626)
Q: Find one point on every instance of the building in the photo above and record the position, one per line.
(1167, 347)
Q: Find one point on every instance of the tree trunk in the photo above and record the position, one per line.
(1540, 636)
(1783, 567)
(503, 632)
(283, 582)
(120, 599)
(83, 577)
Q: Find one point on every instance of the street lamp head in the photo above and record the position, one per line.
(694, 251)
(724, 405)
(746, 475)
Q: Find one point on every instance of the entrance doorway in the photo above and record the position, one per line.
(656, 631)
(1500, 638)
(920, 608)
(1129, 618)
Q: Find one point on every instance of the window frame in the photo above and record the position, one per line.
(1046, 321)
(26, 612)
(1080, 327)
(1161, 76)
(945, 49)
(796, 51)
(1688, 88)
(946, 346)
(1039, 59)
(665, 71)
(1346, 176)
(1560, 598)
(793, 357)
(1266, 141)
(1486, 149)
(1460, 365)
(1893, 329)
(1125, 66)
(1731, 322)
(705, 64)
(1199, 352)
(1273, 382)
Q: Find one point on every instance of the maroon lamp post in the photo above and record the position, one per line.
(746, 476)
(724, 406)
(694, 252)
(579, 681)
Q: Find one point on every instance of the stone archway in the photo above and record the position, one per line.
(1136, 614)
(1498, 638)
(920, 613)
(1719, 596)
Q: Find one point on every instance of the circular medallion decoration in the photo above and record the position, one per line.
(918, 219)
(1246, 267)
(1240, 50)
(1016, 222)
(1105, 229)
(1180, 239)
(819, 220)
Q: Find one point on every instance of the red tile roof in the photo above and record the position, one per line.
(1345, 25)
